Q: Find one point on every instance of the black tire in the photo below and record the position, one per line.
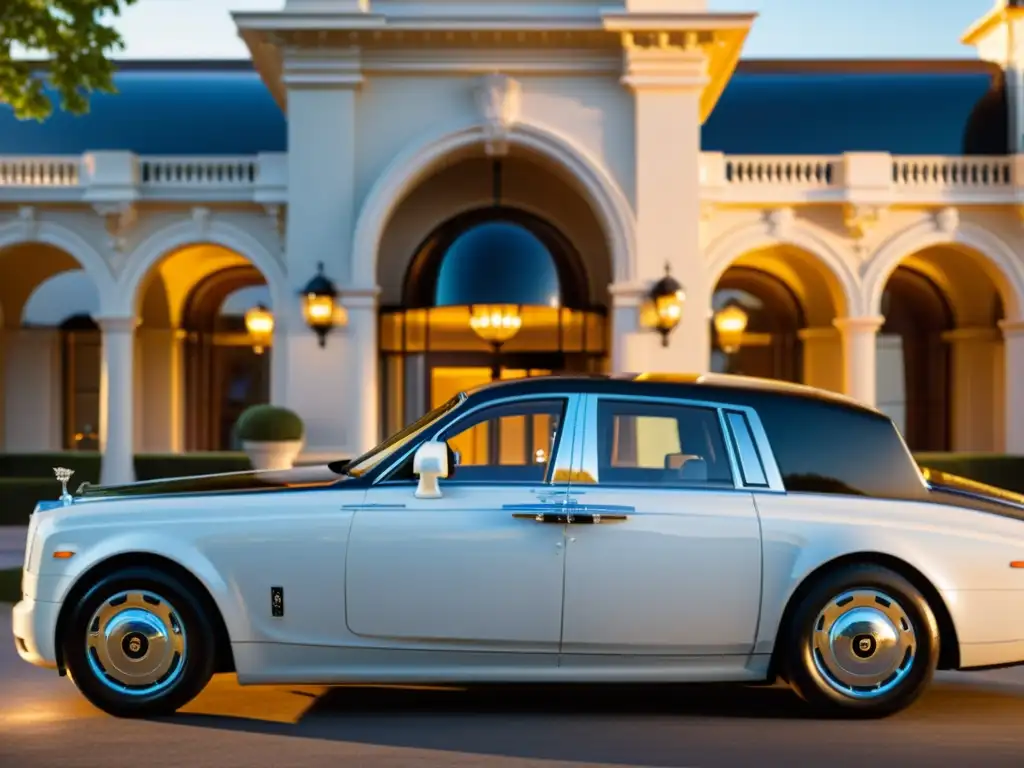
(821, 674)
(186, 678)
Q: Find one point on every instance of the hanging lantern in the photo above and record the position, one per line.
(495, 323)
(664, 306)
(259, 322)
(730, 325)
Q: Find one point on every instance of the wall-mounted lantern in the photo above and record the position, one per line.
(730, 325)
(664, 306)
(319, 304)
(259, 322)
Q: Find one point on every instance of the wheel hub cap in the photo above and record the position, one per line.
(136, 643)
(864, 643)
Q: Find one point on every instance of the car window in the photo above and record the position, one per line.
(641, 443)
(511, 442)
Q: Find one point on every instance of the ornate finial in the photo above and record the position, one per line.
(63, 476)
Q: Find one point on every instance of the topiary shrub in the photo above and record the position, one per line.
(269, 423)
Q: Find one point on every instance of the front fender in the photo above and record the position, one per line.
(58, 577)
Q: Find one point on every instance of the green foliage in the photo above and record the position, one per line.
(76, 38)
(266, 423)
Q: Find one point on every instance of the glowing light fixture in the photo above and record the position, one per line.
(259, 322)
(730, 324)
(495, 323)
(664, 306)
(319, 305)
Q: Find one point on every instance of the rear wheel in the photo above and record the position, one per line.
(138, 644)
(862, 641)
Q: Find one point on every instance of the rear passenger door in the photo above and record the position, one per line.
(663, 552)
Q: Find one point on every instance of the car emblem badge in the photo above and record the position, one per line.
(63, 476)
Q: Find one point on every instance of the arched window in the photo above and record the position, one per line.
(224, 372)
(770, 346)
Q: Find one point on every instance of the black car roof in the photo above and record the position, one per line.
(714, 387)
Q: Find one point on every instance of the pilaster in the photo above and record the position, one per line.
(667, 73)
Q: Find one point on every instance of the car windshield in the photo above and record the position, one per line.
(363, 464)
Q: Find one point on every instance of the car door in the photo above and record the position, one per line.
(673, 564)
(482, 566)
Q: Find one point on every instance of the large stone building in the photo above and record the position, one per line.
(556, 155)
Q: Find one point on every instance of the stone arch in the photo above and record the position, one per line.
(417, 160)
(756, 236)
(996, 257)
(175, 236)
(77, 247)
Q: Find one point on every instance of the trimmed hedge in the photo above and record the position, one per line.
(268, 423)
(27, 478)
(998, 469)
(10, 585)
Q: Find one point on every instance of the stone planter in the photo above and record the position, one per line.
(277, 454)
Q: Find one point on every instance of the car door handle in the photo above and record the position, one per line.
(550, 518)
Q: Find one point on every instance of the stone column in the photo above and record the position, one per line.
(973, 389)
(859, 335)
(117, 380)
(1013, 384)
(667, 75)
(630, 344)
(822, 358)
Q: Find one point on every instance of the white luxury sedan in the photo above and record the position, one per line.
(560, 529)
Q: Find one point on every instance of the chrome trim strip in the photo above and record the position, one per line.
(373, 506)
(563, 454)
(751, 468)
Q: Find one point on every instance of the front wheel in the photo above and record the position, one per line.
(138, 644)
(863, 641)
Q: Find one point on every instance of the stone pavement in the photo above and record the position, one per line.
(12, 546)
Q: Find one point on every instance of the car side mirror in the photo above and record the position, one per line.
(431, 464)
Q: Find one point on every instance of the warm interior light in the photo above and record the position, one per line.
(259, 322)
(731, 323)
(495, 323)
(319, 310)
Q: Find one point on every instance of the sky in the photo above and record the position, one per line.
(160, 29)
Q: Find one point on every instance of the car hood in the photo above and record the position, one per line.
(298, 478)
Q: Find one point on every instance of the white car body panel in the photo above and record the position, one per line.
(691, 587)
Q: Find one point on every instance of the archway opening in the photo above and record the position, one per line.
(198, 364)
(51, 351)
(497, 244)
(787, 299)
(940, 355)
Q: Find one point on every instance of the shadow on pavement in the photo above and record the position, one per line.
(610, 725)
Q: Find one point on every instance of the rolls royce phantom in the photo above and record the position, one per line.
(640, 529)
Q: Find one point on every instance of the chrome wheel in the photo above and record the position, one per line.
(136, 643)
(863, 643)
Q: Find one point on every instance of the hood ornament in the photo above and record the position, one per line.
(63, 476)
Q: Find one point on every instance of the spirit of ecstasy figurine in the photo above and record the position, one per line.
(63, 475)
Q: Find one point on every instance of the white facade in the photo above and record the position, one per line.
(395, 108)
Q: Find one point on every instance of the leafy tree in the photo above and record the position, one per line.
(77, 41)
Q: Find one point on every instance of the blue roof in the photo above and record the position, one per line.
(827, 113)
(207, 108)
(187, 111)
